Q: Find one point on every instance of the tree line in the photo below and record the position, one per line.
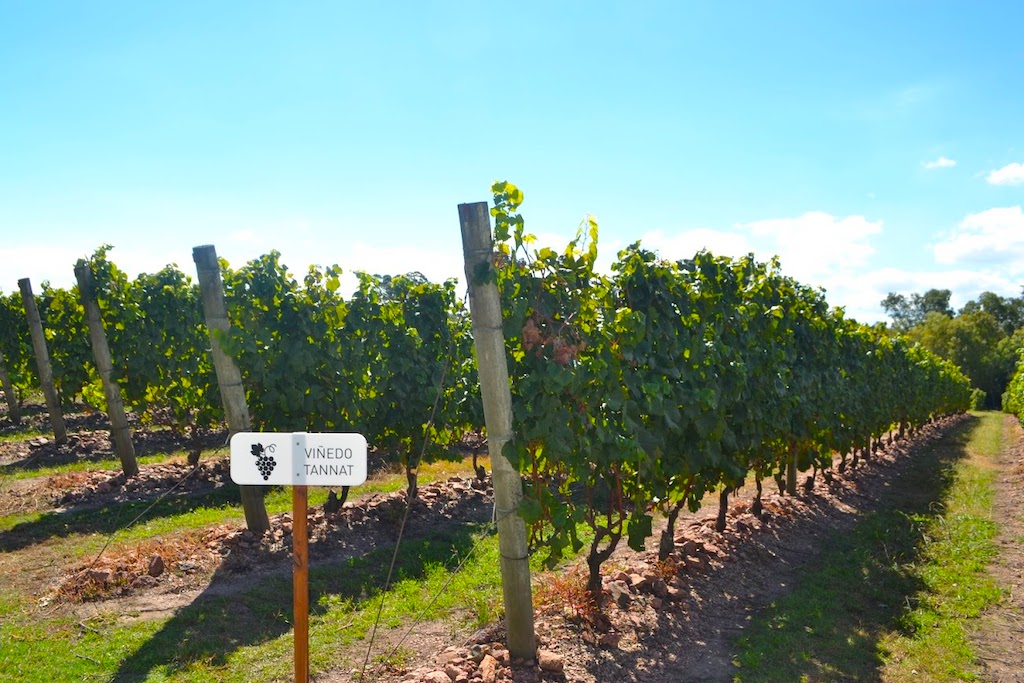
(984, 338)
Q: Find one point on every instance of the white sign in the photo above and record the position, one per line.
(298, 459)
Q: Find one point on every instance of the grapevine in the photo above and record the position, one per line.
(654, 385)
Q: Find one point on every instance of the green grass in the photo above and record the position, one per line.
(86, 527)
(22, 434)
(933, 643)
(891, 600)
(17, 471)
(246, 636)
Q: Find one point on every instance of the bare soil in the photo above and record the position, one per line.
(88, 439)
(185, 565)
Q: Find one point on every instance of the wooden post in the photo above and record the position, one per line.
(485, 309)
(35, 328)
(13, 410)
(791, 469)
(119, 430)
(300, 581)
(229, 379)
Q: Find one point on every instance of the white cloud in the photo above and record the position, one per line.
(685, 244)
(873, 286)
(860, 292)
(816, 246)
(941, 162)
(967, 284)
(300, 242)
(993, 237)
(1011, 174)
(40, 263)
(436, 264)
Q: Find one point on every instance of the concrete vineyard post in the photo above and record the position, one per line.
(35, 328)
(12, 401)
(485, 310)
(119, 430)
(229, 379)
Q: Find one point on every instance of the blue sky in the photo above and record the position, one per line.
(875, 146)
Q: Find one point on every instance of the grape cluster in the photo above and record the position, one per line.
(264, 463)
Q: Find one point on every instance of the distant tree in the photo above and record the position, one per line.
(935, 333)
(1009, 311)
(898, 308)
(933, 301)
(908, 313)
(976, 342)
(985, 338)
(1012, 346)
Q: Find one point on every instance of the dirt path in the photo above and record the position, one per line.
(999, 641)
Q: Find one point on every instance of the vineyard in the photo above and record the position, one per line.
(636, 394)
(643, 390)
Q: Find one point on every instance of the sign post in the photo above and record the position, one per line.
(300, 581)
(299, 460)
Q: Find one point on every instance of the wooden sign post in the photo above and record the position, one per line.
(300, 580)
(299, 460)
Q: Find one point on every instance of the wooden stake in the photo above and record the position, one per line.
(791, 469)
(119, 430)
(13, 410)
(35, 329)
(489, 342)
(229, 379)
(300, 581)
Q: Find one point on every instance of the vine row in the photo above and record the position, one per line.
(393, 361)
(646, 388)
(1013, 399)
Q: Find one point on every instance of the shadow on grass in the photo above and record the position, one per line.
(215, 625)
(35, 421)
(108, 518)
(87, 447)
(830, 626)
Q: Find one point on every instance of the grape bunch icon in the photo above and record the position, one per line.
(264, 463)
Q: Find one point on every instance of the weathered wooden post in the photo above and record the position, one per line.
(229, 379)
(119, 430)
(791, 469)
(13, 410)
(35, 329)
(485, 310)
